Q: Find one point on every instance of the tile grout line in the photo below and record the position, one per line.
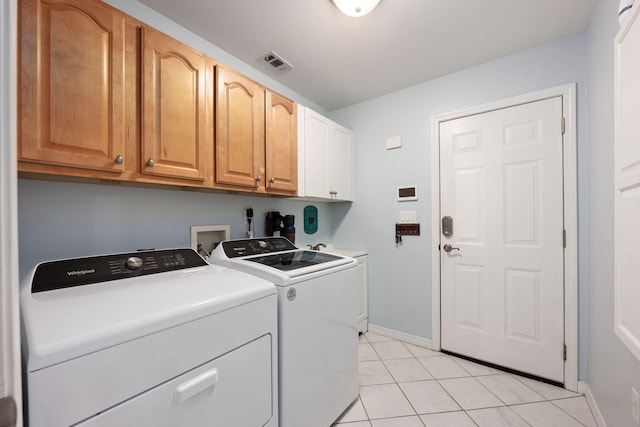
(470, 375)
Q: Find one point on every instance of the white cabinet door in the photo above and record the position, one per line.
(328, 159)
(340, 162)
(627, 183)
(316, 154)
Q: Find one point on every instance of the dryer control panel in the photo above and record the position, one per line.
(68, 273)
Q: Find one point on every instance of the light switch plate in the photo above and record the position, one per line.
(394, 142)
(408, 217)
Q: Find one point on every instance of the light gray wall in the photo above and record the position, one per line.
(612, 369)
(64, 220)
(400, 276)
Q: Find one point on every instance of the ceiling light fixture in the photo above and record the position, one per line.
(356, 8)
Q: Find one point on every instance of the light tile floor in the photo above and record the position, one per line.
(403, 385)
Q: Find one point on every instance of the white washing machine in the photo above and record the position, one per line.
(317, 319)
(157, 338)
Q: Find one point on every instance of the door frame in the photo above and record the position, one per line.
(568, 94)
(10, 378)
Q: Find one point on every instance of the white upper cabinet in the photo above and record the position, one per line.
(325, 158)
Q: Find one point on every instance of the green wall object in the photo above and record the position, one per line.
(310, 219)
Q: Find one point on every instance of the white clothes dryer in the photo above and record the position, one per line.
(158, 339)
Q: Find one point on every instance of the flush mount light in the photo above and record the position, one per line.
(355, 8)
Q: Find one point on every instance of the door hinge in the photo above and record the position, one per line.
(564, 352)
(562, 127)
(564, 239)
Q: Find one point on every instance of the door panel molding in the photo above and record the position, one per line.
(568, 94)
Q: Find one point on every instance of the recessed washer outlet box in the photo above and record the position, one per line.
(277, 62)
(209, 236)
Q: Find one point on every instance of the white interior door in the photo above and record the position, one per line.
(502, 284)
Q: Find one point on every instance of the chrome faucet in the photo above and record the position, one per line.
(317, 247)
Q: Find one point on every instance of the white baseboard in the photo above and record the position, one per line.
(584, 388)
(400, 336)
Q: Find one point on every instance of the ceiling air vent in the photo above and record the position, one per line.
(277, 62)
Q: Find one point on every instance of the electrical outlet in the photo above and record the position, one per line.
(635, 405)
(248, 213)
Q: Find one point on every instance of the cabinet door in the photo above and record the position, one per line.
(72, 81)
(328, 158)
(281, 144)
(174, 108)
(340, 163)
(239, 130)
(316, 154)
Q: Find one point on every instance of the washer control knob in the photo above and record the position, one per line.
(134, 263)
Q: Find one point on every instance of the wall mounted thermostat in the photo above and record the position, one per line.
(406, 194)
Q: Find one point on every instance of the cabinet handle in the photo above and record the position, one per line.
(258, 178)
(150, 163)
(119, 159)
(272, 180)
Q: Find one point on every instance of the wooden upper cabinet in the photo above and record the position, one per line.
(281, 147)
(239, 130)
(175, 127)
(72, 84)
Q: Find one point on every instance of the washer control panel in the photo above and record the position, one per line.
(68, 273)
(246, 247)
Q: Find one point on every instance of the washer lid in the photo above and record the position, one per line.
(62, 324)
(293, 260)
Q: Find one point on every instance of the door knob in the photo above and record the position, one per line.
(448, 248)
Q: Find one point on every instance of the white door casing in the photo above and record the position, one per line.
(502, 287)
(627, 184)
(10, 381)
(514, 326)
